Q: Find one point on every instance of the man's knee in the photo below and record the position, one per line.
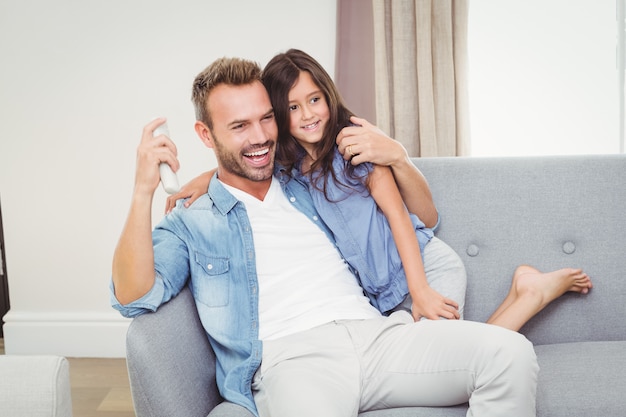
(516, 355)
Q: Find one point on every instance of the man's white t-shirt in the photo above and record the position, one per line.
(303, 280)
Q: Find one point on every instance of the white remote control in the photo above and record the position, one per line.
(168, 177)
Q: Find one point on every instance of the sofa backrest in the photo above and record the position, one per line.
(548, 212)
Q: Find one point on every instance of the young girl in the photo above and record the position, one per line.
(360, 204)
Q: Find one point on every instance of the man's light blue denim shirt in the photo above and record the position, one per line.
(210, 246)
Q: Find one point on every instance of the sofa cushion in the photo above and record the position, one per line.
(593, 371)
(549, 212)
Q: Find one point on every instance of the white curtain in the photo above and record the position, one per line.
(420, 50)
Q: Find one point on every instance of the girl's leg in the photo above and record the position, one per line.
(445, 272)
(532, 290)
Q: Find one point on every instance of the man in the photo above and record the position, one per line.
(292, 331)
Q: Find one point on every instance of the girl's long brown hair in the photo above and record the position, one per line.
(279, 76)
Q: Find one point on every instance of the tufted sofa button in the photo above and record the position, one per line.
(569, 247)
(472, 250)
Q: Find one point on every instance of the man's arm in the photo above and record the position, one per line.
(414, 189)
(133, 259)
(366, 143)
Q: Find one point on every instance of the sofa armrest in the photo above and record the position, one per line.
(35, 386)
(171, 365)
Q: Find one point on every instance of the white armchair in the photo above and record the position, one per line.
(35, 386)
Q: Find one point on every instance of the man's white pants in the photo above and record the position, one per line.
(346, 367)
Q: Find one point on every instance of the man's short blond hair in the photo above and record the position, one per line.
(229, 71)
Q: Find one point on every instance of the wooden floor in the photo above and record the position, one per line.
(100, 387)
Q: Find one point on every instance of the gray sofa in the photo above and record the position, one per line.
(497, 213)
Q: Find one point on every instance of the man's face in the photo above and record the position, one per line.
(244, 133)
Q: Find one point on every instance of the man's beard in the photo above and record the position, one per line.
(234, 163)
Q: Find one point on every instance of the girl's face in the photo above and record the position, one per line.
(308, 113)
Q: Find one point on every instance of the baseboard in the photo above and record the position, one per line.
(79, 335)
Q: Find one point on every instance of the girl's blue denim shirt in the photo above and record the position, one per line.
(362, 233)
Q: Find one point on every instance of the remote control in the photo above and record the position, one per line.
(169, 180)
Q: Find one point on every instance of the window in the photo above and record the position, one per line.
(544, 77)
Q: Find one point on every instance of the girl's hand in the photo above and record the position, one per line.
(430, 304)
(193, 190)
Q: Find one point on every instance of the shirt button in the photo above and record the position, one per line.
(292, 199)
(209, 267)
(315, 218)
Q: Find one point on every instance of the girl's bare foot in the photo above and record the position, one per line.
(532, 290)
(545, 287)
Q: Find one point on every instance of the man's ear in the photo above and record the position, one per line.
(204, 133)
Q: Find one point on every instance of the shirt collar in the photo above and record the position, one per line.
(223, 200)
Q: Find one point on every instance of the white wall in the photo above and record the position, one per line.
(78, 80)
(543, 77)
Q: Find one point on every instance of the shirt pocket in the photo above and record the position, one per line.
(211, 284)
